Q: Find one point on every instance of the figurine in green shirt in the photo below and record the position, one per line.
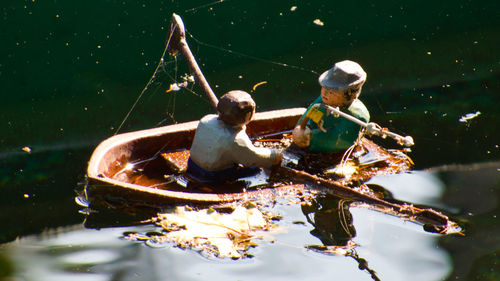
(340, 88)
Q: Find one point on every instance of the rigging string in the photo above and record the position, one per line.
(204, 6)
(160, 64)
(343, 217)
(170, 102)
(250, 57)
(161, 68)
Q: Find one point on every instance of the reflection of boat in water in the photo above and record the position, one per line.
(331, 219)
(145, 167)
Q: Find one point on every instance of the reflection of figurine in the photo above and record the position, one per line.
(340, 87)
(221, 145)
(331, 219)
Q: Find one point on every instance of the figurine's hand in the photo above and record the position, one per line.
(301, 137)
(372, 128)
(278, 159)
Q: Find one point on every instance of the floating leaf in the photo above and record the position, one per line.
(214, 233)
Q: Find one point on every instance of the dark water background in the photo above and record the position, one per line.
(69, 72)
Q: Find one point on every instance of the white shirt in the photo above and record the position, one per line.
(218, 146)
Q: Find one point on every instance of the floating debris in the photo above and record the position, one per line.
(258, 84)
(213, 233)
(177, 86)
(346, 169)
(469, 116)
(333, 250)
(318, 22)
(293, 8)
(26, 149)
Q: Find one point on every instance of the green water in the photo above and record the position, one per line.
(71, 71)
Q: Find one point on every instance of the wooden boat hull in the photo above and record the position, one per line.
(128, 169)
(116, 152)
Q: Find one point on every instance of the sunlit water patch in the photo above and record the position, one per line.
(376, 245)
(399, 250)
(418, 187)
(387, 246)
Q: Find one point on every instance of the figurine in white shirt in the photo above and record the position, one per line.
(221, 149)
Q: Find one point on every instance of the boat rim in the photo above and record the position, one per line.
(94, 175)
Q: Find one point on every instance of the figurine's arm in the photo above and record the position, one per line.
(244, 152)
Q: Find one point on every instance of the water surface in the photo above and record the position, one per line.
(70, 72)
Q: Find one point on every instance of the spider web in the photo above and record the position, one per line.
(170, 78)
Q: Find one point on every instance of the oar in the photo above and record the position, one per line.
(426, 216)
(374, 128)
(177, 42)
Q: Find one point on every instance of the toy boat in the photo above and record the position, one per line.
(146, 167)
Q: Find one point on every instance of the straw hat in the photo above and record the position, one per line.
(343, 75)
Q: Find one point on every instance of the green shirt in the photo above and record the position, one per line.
(340, 132)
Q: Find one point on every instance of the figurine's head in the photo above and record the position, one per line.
(342, 83)
(236, 108)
